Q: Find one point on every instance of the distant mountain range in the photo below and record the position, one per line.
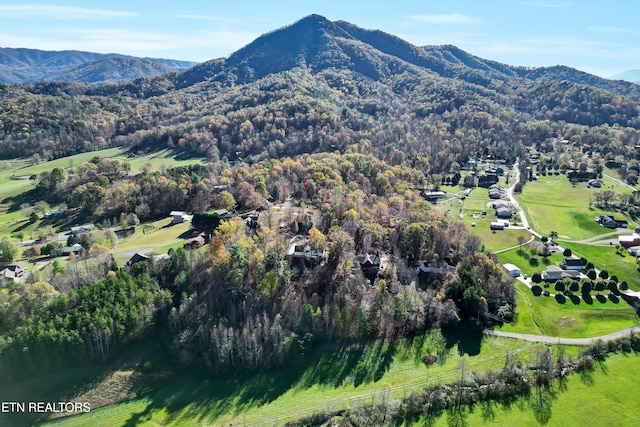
(319, 85)
(31, 65)
(629, 75)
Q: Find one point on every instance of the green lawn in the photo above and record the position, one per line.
(14, 179)
(495, 240)
(333, 376)
(523, 260)
(606, 396)
(622, 265)
(569, 320)
(553, 204)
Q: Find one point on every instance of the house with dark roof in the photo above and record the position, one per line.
(137, 257)
(611, 222)
(503, 212)
(571, 264)
(370, 264)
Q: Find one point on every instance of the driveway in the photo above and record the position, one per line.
(565, 341)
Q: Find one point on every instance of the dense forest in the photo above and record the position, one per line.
(344, 123)
(242, 303)
(319, 86)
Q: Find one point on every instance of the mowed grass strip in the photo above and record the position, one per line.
(569, 320)
(552, 203)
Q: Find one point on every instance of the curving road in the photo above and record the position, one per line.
(565, 341)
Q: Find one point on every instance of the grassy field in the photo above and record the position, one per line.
(607, 396)
(332, 376)
(14, 179)
(553, 204)
(622, 265)
(523, 260)
(545, 316)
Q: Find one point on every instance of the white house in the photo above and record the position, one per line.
(629, 241)
(178, 217)
(512, 270)
(556, 273)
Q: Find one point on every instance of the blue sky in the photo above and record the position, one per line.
(599, 37)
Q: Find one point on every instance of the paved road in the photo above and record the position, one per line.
(565, 341)
(624, 184)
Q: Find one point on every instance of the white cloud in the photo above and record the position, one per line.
(60, 12)
(449, 18)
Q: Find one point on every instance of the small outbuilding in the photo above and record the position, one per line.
(512, 270)
(178, 217)
(497, 226)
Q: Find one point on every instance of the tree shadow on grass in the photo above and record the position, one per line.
(614, 299)
(574, 299)
(466, 335)
(587, 298)
(560, 299)
(601, 298)
(541, 403)
(361, 363)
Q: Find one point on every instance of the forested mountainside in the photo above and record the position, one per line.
(30, 65)
(319, 85)
(343, 128)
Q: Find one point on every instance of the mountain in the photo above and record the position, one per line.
(629, 75)
(29, 65)
(319, 85)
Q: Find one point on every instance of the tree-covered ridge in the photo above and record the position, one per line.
(319, 86)
(43, 328)
(243, 303)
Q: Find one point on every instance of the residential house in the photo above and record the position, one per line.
(500, 204)
(433, 196)
(512, 270)
(503, 212)
(571, 264)
(556, 273)
(596, 183)
(497, 226)
(13, 270)
(300, 247)
(137, 257)
(74, 249)
(495, 194)
(611, 222)
(178, 217)
(629, 241)
(223, 213)
(195, 242)
(634, 250)
(436, 266)
(82, 229)
(370, 264)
